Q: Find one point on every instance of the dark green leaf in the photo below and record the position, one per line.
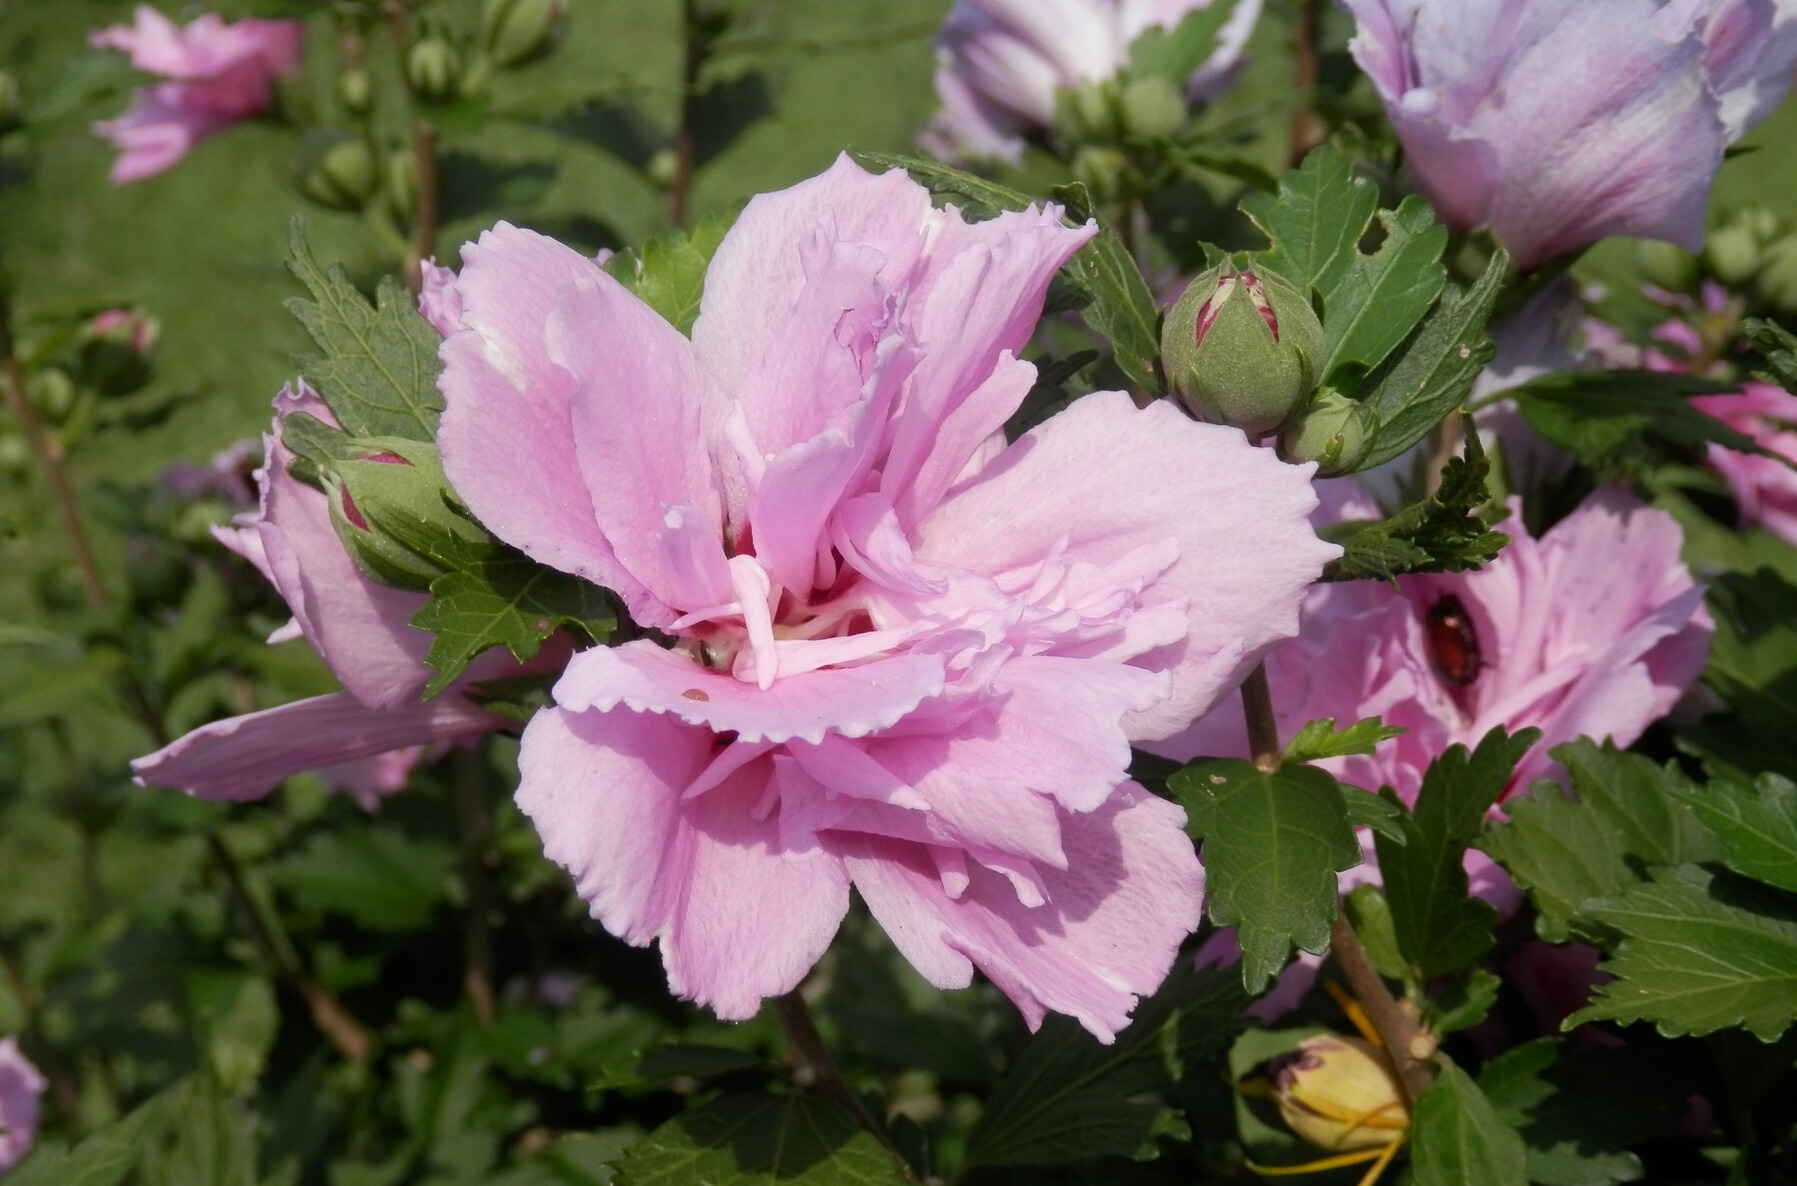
(1315, 221)
(1699, 952)
(1272, 846)
(510, 600)
(1623, 423)
(1367, 810)
(1757, 826)
(1464, 1001)
(1411, 392)
(377, 370)
(1174, 54)
(1381, 299)
(382, 878)
(1370, 915)
(1579, 1108)
(104, 1158)
(1439, 534)
(1321, 739)
(1626, 818)
(1072, 1098)
(1778, 346)
(1753, 667)
(1458, 1138)
(756, 1138)
(1440, 929)
(669, 272)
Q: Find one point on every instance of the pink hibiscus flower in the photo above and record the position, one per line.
(219, 74)
(1764, 488)
(20, 1088)
(903, 654)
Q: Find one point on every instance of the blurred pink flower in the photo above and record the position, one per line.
(999, 63)
(1556, 124)
(128, 327)
(218, 74)
(365, 738)
(1764, 488)
(906, 655)
(20, 1087)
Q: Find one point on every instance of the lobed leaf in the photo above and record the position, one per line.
(754, 1138)
(669, 271)
(505, 599)
(1373, 307)
(1459, 1139)
(1321, 739)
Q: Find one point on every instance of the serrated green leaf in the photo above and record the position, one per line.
(378, 876)
(1458, 1138)
(1757, 826)
(377, 370)
(1071, 1098)
(1375, 305)
(755, 1138)
(1272, 846)
(1626, 817)
(1101, 281)
(1624, 423)
(505, 600)
(1174, 54)
(1464, 1001)
(1778, 346)
(1440, 929)
(1367, 810)
(1753, 667)
(1699, 952)
(1315, 220)
(1321, 739)
(1579, 1108)
(668, 273)
(1439, 534)
(103, 1159)
(1413, 390)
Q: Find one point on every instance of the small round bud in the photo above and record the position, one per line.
(1734, 250)
(662, 168)
(343, 175)
(1778, 276)
(10, 101)
(433, 68)
(355, 91)
(52, 394)
(1667, 265)
(402, 184)
(15, 454)
(1242, 347)
(1153, 108)
(1340, 1094)
(515, 31)
(1332, 432)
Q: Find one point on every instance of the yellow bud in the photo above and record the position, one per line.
(1340, 1094)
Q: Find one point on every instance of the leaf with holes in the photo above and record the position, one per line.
(507, 599)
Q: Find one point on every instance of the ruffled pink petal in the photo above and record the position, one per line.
(1108, 932)
(248, 756)
(739, 917)
(1109, 479)
(854, 701)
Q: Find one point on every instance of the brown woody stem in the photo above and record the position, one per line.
(1395, 1022)
(1263, 726)
(49, 452)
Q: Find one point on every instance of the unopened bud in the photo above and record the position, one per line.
(1242, 347)
(515, 31)
(402, 184)
(1778, 276)
(343, 175)
(10, 102)
(391, 508)
(355, 91)
(1088, 114)
(1332, 432)
(1734, 249)
(1667, 265)
(1340, 1094)
(663, 168)
(1153, 108)
(433, 68)
(135, 331)
(52, 394)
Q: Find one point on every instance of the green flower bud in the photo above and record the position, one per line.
(1153, 108)
(392, 509)
(1242, 348)
(1340, 1094)
(10, 102)
(433, 68)
(1088, 114)
(402, 184)
(15, 454)
(1667, 265)
(515, 31)
(1734, 249)
(1332, 432)
(53, 394)
(355, 91)
(343, 175)
(1778, 276)
(662, 168)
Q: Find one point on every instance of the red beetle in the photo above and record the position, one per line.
(1453, 647)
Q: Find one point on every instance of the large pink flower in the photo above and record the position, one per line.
(365, 738)
(1595, 629)
(1765, 488)
(1557, 123)
(903, 655)
(219, 74)
(1000, 62)
(20, 1087)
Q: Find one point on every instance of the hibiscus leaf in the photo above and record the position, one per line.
(1070, 1097)
(1459, 1139)
(1321, 739)
(505, 599)
(377, 367)
(1624, 423)
(753, 1138)
(668, 273)
(1757, 826)
(1627, 816)
(1385, 295)
(1315, 220)
(1753, 667)
(1272, 846)
(1174, 54)
(1778, 346)
(1440, 929)
(1699, 951)
(1438, 534)
(1431, 376)
(105, 1157)
(1101, 281)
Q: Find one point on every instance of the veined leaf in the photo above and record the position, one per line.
(507, 599)
(1757, 826)
(1458, 1138)
(754, 1139)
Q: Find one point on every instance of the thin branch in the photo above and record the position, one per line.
(813, 1067)
(1406, 1042)
(1263, 726)
(476, 825)
(424, 221)
(696, 47)
(1307, 129)
(49, 452)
